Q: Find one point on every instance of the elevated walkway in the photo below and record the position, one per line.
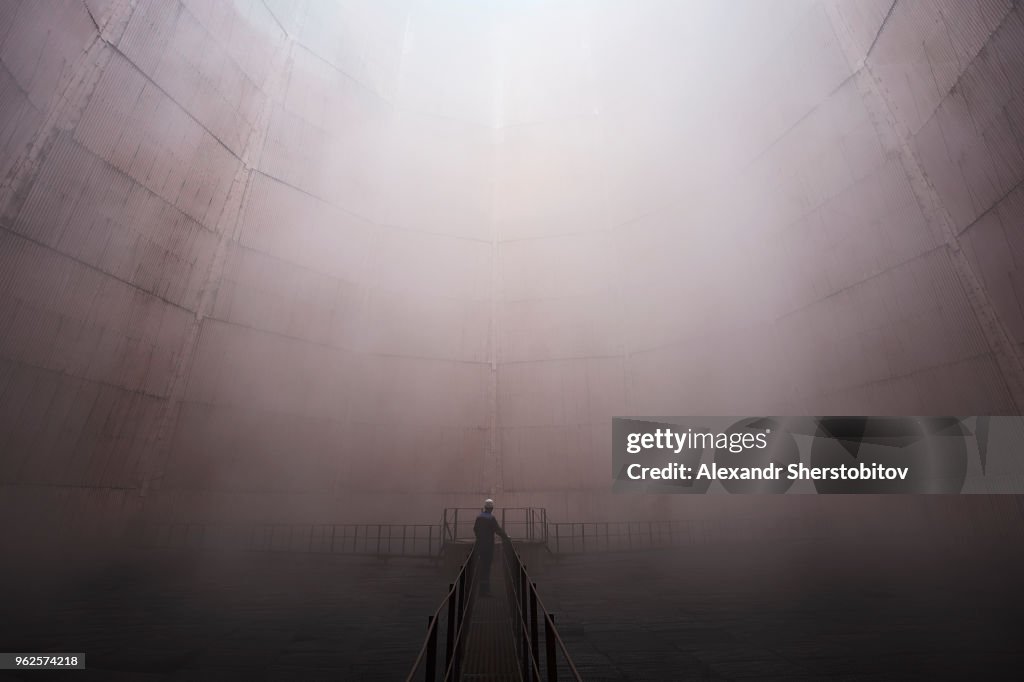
(506, 636)
(490, 646)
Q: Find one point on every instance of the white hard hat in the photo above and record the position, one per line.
(488, 503)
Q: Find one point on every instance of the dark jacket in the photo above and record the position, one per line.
(485, 527)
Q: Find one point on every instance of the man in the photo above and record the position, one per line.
(484, 528)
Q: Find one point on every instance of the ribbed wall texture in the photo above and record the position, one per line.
(302, 260)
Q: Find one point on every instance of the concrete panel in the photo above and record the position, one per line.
(286, 223)
(557, 267)
(83, 208)
(258, 251)
(267, 293)
(239, 366)
(411, 262)
(60, 430)
(554, 39)
(971, 147)
(437, 176)
(562, 392)
(924, 48)
(424, 326)
(550, 179)
(548, 329)
(403, 456)
(39, 41)
(131, 123)
(361, 40)
(455, 39)
(248, 32)
(220, 448)
(553, 459)
(994, 245)
(65, 316)
(343, 168)
(185, 60)
(390, 390)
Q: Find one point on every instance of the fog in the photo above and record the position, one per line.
(311, 262)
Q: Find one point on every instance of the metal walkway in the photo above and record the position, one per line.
(490, 648)
(507, 636)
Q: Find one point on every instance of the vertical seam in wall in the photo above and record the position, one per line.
(896, 137)
(493, 467)
(153, 464)
(496, 485)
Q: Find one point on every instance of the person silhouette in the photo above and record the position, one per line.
(485, 528)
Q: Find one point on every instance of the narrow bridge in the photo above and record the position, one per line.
(505, 636)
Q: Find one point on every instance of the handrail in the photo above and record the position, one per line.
(526, 524)
(525, 604)
(371, 539)
(459, 602)
(612, 536)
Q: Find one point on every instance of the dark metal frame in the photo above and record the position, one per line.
(370, 539)
(457, 610)
(527, 609)
(623, 536)
(522, 524)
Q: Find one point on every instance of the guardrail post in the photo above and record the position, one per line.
(462, 596)
(450, 640)
(549, 646)
(469, 583)
(523, 615)
(534, 648)
(431, 649)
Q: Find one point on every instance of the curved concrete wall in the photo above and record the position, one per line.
(327, 261)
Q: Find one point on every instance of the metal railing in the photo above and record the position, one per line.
(527, 609)
(456, 610)
(523, 524)
(617, 536)
(371, 539)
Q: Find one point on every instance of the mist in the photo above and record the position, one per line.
(288, 263)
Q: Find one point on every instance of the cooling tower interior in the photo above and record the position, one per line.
(323, 262)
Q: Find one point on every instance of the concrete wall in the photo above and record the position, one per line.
(345, 359)
(837, 238)
(298, 260)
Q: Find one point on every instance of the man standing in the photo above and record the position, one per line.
(485, 528)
